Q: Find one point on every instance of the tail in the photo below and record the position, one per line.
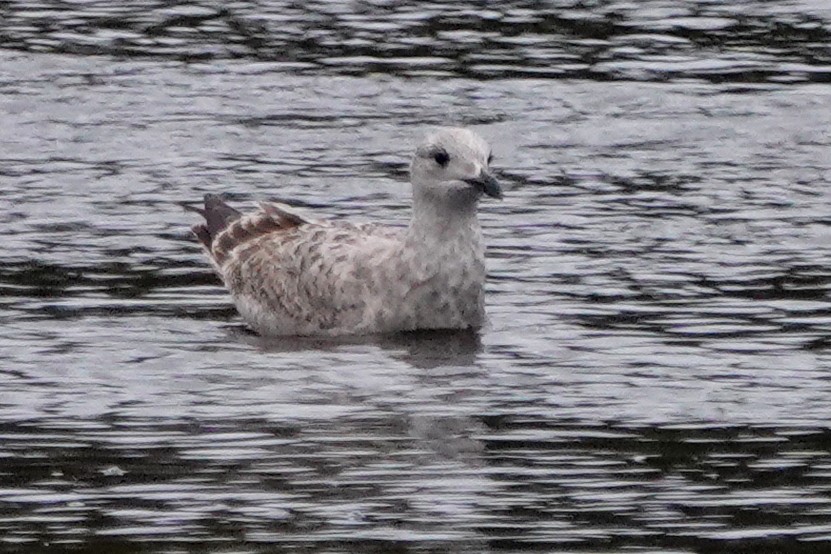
(225, 229)
(218, 216)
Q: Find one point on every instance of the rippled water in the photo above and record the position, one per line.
(656, 373)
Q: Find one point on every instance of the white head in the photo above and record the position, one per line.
(452, 165)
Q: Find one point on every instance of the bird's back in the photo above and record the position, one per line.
(291, 275)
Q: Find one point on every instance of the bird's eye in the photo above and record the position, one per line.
(441, 157)
(490, 158)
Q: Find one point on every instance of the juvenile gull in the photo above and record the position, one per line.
(292, 275)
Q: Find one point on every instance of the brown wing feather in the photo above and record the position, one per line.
(245, 229)
(226, 229)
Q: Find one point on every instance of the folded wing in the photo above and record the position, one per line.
(290, 274)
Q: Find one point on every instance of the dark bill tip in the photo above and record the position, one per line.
(487, 184)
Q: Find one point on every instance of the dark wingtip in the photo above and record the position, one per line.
(217, 216)
(202, 234)
(192, 208)
(213, 201)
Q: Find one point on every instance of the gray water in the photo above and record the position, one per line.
(655, 376)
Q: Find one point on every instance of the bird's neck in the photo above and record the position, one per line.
(447, 220)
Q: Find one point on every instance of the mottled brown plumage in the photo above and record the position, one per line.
(292, 275)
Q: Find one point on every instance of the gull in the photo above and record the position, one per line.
(290, 274)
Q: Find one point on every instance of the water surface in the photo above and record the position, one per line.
(654, 377)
